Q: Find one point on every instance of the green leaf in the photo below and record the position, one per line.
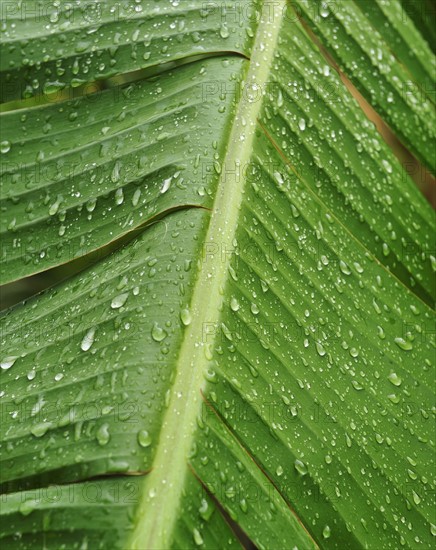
(256, 361)
(378, 47)
(422, 13)
(81, 173)
(46, 49)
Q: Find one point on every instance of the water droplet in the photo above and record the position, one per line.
(326, 532)
(354, 352)
(224, 31)
(403, 344)
(5, 146)
(55, 207)
(103, 435)
(279, 471)
(376, 307)
(186, 317)
(119, 300)
(344, 268)
(394, 379)
(324, 10)
(387, 166)
(166, 185)
(144, 438)
(198, 539)
(204, 510)
(28, 506)
(136, 196)
(8, 362)
(119, 196)
(40, 429)
(234, 304)
(416, 497)
(158, 333)
(279, 178)
(300, 467)
(320, 349)
(302, 124)
(115, 175)
(381, 333)
(91, 204)
(357, 385)
(88, 340)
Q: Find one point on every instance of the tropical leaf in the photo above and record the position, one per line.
(383, 53)
(254, 362)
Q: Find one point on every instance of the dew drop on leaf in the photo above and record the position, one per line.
(144, 438)
(103, 435)
(320, 349)
(198, 539)
(158, 333)
(344, 268)
(5, 146)
(119, 300)
(403, 344)
(186, 317)
(224, 31)
(300, 467)
(394, 379)
(165, 186)
(8, 362)
(234, 304)
(88, 340)
(40, 429)
(326, 532)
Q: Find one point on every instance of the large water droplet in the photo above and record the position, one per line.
(5, 146)
(344, 268)
(186, 317)
(8, 362)
(198, 539)
(103, 435)
(300, 467)
(166, 185)
(119, 300)
(144, 438)
(394, 379)
(326, 532)
(320, 349)
(234, 304)
(158, 333)
(224, 31)
(88, 340)
(403, 344)
(40, 429)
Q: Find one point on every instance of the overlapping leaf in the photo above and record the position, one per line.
(381, 51)
(268, 360)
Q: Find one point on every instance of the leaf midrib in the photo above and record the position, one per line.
(157, 512)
